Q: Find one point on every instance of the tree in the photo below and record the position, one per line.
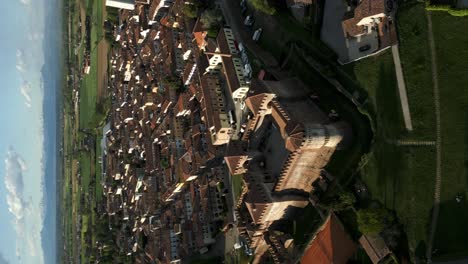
(339, 202)
(372, 221)
(211, 18)
(172, 83)
(164, 163)
(190, 10)
(263, 6)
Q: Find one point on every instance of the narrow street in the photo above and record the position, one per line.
(232, 14)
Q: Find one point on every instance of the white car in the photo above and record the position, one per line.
(249, 21)
(257, 34)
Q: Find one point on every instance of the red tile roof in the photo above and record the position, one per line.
(365, 9)
(331, 245)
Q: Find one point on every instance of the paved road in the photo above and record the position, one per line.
(402, 88)
(435, 81)
(232, 13)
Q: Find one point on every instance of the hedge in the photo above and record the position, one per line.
(451, 10)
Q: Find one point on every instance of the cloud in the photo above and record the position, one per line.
(20, 61)
(34, 36)
(25, 87)
(25, 90)
(19, 206)
(25, 2)
(14, 167)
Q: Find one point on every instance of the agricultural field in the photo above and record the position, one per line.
(89, 99)
(82, 127)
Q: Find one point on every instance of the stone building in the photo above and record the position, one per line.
(290, 142)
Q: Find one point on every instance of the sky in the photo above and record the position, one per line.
(22, 205)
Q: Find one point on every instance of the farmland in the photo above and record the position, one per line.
(84, 112)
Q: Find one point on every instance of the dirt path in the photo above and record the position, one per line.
(102, 69)
(402, 88)
(103, 47)
(435, 80)
(82, 7)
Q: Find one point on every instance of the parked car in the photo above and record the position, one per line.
(249, 21)
(248, 71)
(240, 47)
(257, 34)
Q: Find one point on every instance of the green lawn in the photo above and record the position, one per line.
(90, 118)
(85, 165)
(89, 86)
(451, 41)
(402, 178)
(99, 190)
(416, 63)
(84, 229)
(237, 184)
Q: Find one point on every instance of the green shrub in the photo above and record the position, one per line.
(263, 6)
(211, 18)
(339, 202)
(447, 8)
(372, 221)
(190, 10)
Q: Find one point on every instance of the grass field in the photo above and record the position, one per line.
(99, 189)
(402, 178)
(89, 86)
(451, 41)
(77, 189)
(237, 186)
(408, 188)
(416, 63)
(90, 119)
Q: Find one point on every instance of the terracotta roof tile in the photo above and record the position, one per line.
(331, 245)
(365, 9)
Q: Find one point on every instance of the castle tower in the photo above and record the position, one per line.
(317, 136)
